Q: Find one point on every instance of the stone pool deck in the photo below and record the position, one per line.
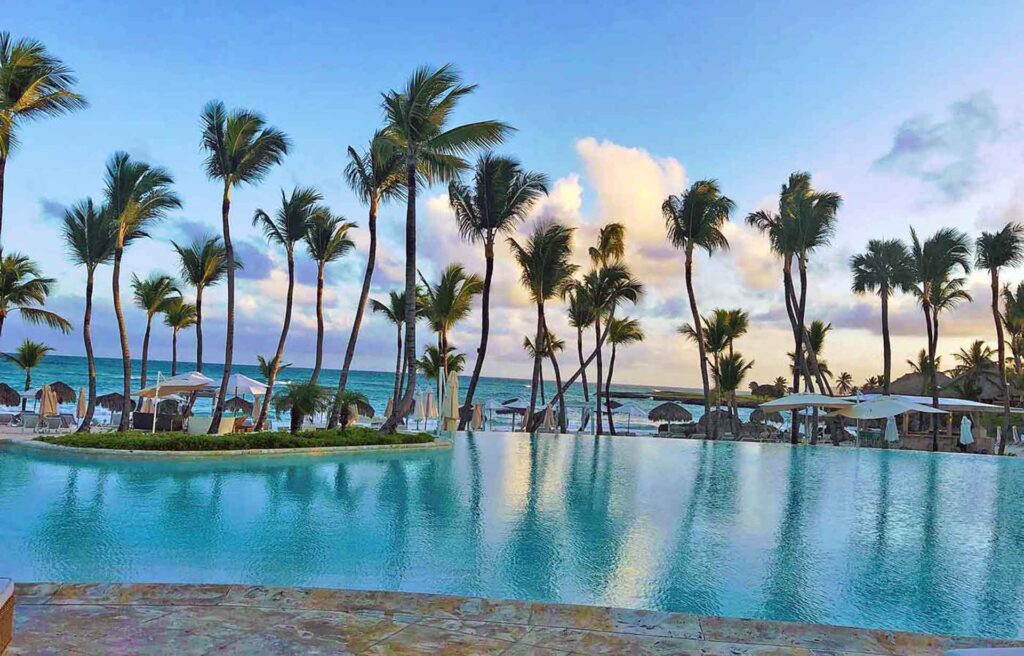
(78, 619)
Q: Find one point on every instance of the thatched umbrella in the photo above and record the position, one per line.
(63, 391)
(113, 402)
(365, 409)
(669, 412)
(9, 395)
(238, 404)
(718, 416)
(761, 416)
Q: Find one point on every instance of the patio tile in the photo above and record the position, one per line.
(419, 639)
(600, 643)
(146, 594)
(620, 620)
(302, 598)
(496, 630)
(315, 632)
(34, 593)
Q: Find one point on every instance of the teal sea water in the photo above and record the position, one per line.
(862, 537)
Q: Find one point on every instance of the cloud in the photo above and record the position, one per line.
(51, 209)
(257, 264)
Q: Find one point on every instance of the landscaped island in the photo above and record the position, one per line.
(142, 441)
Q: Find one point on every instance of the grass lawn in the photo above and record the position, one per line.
(144, 441)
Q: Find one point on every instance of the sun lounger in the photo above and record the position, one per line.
(6, 613)
(6, 419)
(29, 420)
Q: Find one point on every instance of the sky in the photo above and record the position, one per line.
(912, 111)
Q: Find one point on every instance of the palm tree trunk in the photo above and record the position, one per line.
(174, 352)
(126, 358)
(145, 350)
(485, 327)
(3, 170)
(90, 358)
(599, 427)
(698, 330)
(1001, 346)
(540, 381)
(572, 379)
(28, 386)
(276, 362)
(798, 350)
(199, 329)
(812, 357)
(886, 345)
(229, 337)
(562, 419)
(402, 408)
(398, 367)
(933, 374)
(364, 295)
(583, 368)
(319, 361)
(536, 361)
(608, 389)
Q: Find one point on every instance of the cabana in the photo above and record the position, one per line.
(64, 392)
(9, 396)
(187, 384)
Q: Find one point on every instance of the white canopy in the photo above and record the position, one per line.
(192, 381)
(630, 409)
(29, 393)
(884, 406)
(516, 404)
(493, 404)
(945, 403)
(242, 384)
(804, 400)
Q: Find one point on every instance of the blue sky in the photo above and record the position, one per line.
(911, 110)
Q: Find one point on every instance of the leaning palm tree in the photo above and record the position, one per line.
(416, 122)
(327, 240)
(376, 176)
(23, 289)
(498, 200)
(137, 196)
(89, 240)
(581, 317)
(33, 84)
(448, 302)
(204, 263)
(621, 332)
(27, 357)
(241, 149)
(286, 228)
(153, 296)
(935, 261)
(546, 271)
(884, 268)
(178, 315)
(994, 251)
(730, 372)
(394, 313)
(844, 383)
(693, 221)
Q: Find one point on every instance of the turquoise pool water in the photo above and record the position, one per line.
(870, 538)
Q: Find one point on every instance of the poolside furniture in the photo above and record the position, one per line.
(50, 424)
(6, 419)
(201, 425)
(165, 422)
(29, 420)
(6, 613)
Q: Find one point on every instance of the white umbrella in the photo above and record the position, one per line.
(630, 410)
(804, 400)
(891, 435)
(549, 419)
(80, 408)
(419, 413)
(450, 405)
(478, 417)
(966, 435)
(884, 406)
(431, 406)
(192, 381)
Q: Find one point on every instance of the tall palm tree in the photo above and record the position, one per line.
(327, 240)
(153, 296)
(23, 289)
(241, 149)
(376, 176)
(447, 303)
(431, 365)
(975, 361)
(501, 196)
(546, 271)
(33, 84)
(994, 251)
(719, 330)
(730, 371)
(611, 245)
(693, 221)
(815, 336)
(178, 315)
(89, 241)
(922, 366)
(1013, 322)
(204, 263)
(844, 383)
(936, 260)
(549, 348)
(394, 312)
(264, 366)
(27, 357)
(581, 317)
(416, 122)
(137, 196)
(286, 228)
(621, 332)
(884, 268)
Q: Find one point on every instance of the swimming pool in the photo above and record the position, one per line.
(900, 540)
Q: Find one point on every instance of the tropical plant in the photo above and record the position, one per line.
(694, 220)
(431, 365)
(27, 357)
(621, 332)
(137, 197)
(1013, 322)
(23, 289)
(345, 402)
(286, 228)
(497, 201)
(327, 240)
(449, 302)
(995, 251)
(885, 268)
(546, 271)
(300, 400)
(611, 245)
(153, 296)
(549, 348)
(416, 122)
(265, 366)
(581, 317)
(394, 312)
(33, 84)
(975, 361)
(204, 263)
(720, 330)
(922, 366)
(815, 344)
(178, 315)
(89, 242)
(730, 371)
(241, 149)
(844, 383)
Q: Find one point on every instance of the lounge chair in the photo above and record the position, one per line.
(6, 419)
(6, 613)
(50, 424)
(29, 420)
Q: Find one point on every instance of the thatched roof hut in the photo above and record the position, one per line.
(237, 404)
(113, 401)
(64, 392)
(914, 384)
(9, 396)
(669, 412)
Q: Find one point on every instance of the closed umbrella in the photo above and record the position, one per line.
(48, 404)
(450, 405)
(80, 408)
(477, 422)
(891, 435)
(420, 412)
(391, 406)
(431, 408)
(549, 419)
(966, 435)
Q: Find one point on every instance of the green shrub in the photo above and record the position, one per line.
(142, 441)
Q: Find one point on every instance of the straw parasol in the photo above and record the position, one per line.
(9, 395)
(64, 392)
(113, 402)
(549, 419)
(669, 412)
(450, 405)
(80, 408)
(390, 409)
(364, 409)
(238, 404)
(47, 402)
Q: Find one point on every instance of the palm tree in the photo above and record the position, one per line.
(975, 361)
(345, 402)
(730, 371)
(449, 302)
(375, 176)
(327, 240)
(714, 332)
(178, 315)
(936, 259)
(1013, 322)
(264, 366)
(394, 312)
(23, 289)
(621, 332)
(434, 367)
(546, 271)
(922, 366)
(884, 268)
(286, 228)
(27, 357)
(204, 263)
(89, 240)
(137, 196)
(694, 220)
(501, 196)
(241, 149)
(301, 399)
(993, 251)
(611, 245)
(844, 383)
(781, 386)
(33, 84)
(549, 348)
(815, 336)
(416, 119)
(153, 296)
(581, 316)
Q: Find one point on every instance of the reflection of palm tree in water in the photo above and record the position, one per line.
(393, 494)
(1001, 598)
(928, 588)
(472, 524)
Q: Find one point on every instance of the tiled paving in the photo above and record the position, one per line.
(222, 619)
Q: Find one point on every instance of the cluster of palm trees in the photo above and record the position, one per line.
(719, 331)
